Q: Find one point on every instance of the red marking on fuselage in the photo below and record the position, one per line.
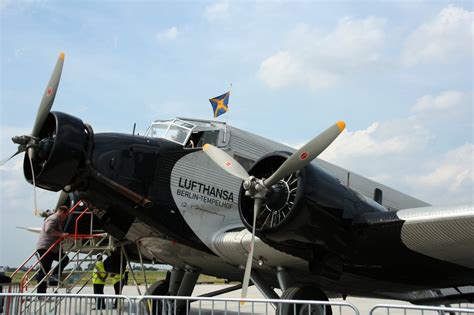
(304, 155)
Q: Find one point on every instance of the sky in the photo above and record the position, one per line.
(400, 74)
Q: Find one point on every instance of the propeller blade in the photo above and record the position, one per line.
(306, 153)
(9, 158)
(248, 267)
(225, 161)
(48, 96)
(33, 177)
(30, 229)
(62, 199)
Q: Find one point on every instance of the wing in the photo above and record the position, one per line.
(444, 233)
(434, 241)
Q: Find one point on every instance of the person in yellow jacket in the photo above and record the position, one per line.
(98, 280)
(118, 283)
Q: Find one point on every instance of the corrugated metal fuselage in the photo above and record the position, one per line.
(194, 220)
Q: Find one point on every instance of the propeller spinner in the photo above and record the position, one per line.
(258, 189)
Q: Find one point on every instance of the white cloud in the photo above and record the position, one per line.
(402, 153)
(449, 113)
(280, 70)
(379, 140)
(452, 178)
(217, 11)
(447, 100)
(447, 37)
(400, 156)
(168, 34)
(318, 59)
(454, 170)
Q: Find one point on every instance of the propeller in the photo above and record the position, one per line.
(33, 177)
(46, 102)
(29, 143)
(225, 161)
(248, 266)
(62, 199)
(61, 202)
(306, 153)
(48, 97)
(258, 188)
(20, 150)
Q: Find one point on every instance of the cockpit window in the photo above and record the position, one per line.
(177, 134)
(157, 131)
(174, 130)
(184, 124)
(189, 134)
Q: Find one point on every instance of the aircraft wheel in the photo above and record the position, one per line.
(304, 293)
(157, 288)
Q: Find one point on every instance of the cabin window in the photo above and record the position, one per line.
(378, 195)
(200, 138)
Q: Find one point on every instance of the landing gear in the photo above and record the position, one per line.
(177, 282)
(303, 293)
(158, 288)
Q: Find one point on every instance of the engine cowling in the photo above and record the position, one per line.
(61, 148)
(310, 208)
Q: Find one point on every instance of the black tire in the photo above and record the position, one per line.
(304, 293)
(158, 288)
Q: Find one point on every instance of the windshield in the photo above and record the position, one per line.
(157, 131)
(175, 130)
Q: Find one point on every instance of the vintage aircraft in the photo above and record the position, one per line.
(195, 192)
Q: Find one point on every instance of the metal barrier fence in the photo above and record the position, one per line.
(90, 304)
(9, 287)
(388, 309)
(154, 305)
(34, 303)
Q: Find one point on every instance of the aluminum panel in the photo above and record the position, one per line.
(445, 233)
